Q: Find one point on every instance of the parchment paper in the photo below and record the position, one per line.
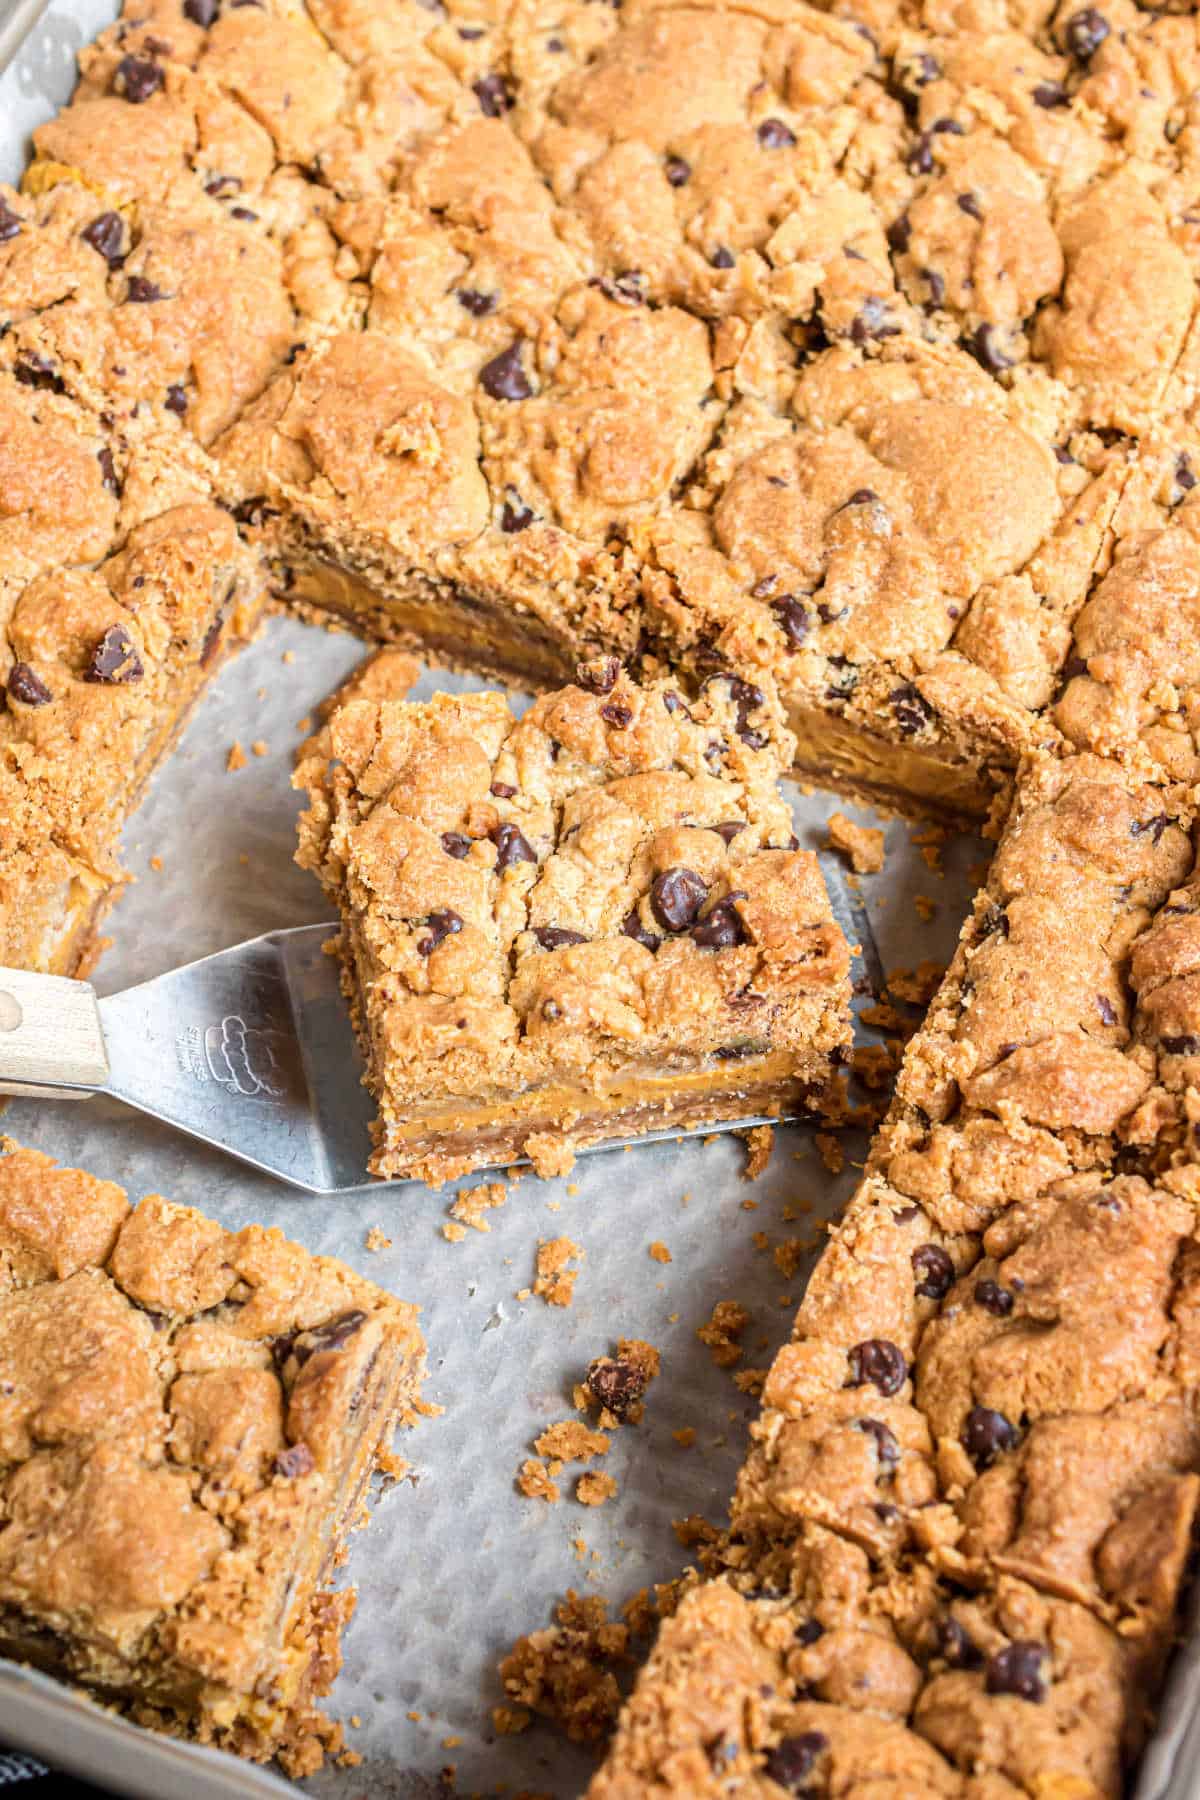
(456, 1564)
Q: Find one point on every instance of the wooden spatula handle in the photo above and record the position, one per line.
(51, 1042)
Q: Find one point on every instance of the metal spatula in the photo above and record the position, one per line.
(250, 1049)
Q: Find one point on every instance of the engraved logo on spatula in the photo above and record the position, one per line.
(245, 1059)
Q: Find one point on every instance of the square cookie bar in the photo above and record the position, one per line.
(582, 924)
(189, 1418)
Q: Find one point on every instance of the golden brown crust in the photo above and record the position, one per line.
(602, 895)
(188, 1420)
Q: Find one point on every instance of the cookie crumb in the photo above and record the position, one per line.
(566, 1672)
(237, 758)
(685, 1437)
(789, 1257)
(571, 1441)
(723, 1332)
(378, 1239)
(863, 844)
(925, 907)
(832, 1154)
(875, 1064)
(535, 1483)
(156, 863)
(659, 1252)
(759, 1142)
(472, 1204)
(455, 1233)
(554, 1282)
(510, 1721)
(915, 986)
(616, 1384)
(260, 747)
(594, 1488)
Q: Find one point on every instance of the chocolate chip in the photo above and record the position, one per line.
(879, 1362)
(773, 134)
(676, 897)
(728, 829)
(956, 1646)
(478, 304)
(808, 1631)
(108, 470)
(721, 928)
(1049, 94)
(26, 687)
(1106, 1009)
(913, 712)
(136, 79)
(934, 1271)
(1185, 475)
(795, 620)
(628, 289)
(335, 1334)
(722, 258)
(297, 1459)
(1153, 827)
(987, 1435)
(444, 922)
(456, 844)
(791, 1762)
(616, 1384)
(1017, 1669)
(675, 703)
(106, 235)
(114, 660)
(872, 321)
(212, 638)
(936, 286)
(1180, 1046)
(617, 714)
(632, 927)
(176, 400)
(984, 345)
(598, 676)
(219, 186)
(140, 292)
(1085, 32)
(200, 12)
(10, 222)
(899, 234)
(511, 847)
(35, 371)
(504, 378)
(502, 790)
(887, 1449)
(493, 96)
(993, 1298)
(969, 203)
(556, 937)
(515, 515)
(677, 171)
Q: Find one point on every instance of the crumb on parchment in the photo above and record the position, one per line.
(863, 844)
(832, 1153)
(554, 1281)
(236, 759)
(595, 1487)
(535, 1483)
(378, 1239)
(571, 1441)
(759, 1142)
(617, 1384)
(260, 747)
(471, 1207)
(685, 1437)
(659, 1252)
(723, 1332)
(916, 986)
(566, 1672)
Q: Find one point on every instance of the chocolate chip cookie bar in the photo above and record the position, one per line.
(959, 1540)
(589, 922)
(121, 585)
(189, 1420)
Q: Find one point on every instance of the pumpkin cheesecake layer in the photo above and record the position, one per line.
(588, 922)
(189, 1421)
